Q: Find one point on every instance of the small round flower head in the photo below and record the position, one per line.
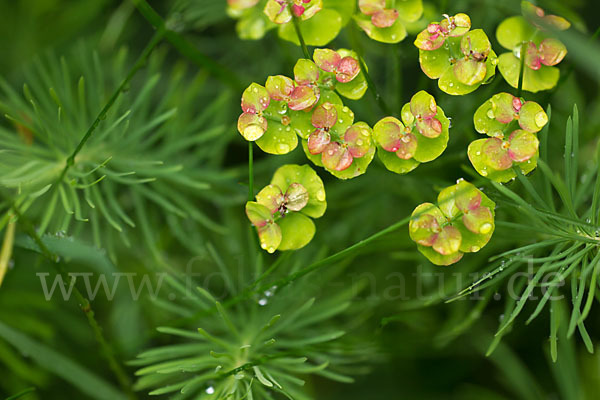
(493, 116)
(461, 222)
(422, 136)
(462, 59)
(494, 157)
(343, 148)
(283, 210)
(387, 24)
(527, 36)
(434, 36)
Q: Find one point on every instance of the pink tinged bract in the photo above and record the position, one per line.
(255, 99)
(389, 134)
(336, 156)
(271, 197)
(523, 145)
(423, 105)
(496, 154)
(532, 58)
(407, 146)
(551, 51)
(384, 18)
(480, 220)
(358, 140)
(447, 241)
(277, 11)
(327, 59)
(306, 72)
(370, 7)
(324, 116)
(469, 71)
(347, 69)
(467, 198)
(503, 107)
(318, 140)
(279, 87)
(424, 229)
(296, 197)
(430, 127)
(252, 126)
(430, 38)
(303, 97)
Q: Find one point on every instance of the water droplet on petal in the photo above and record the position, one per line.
(490, 113)
(485, 228)
(541, 119)
(283, 147)
(321, 195)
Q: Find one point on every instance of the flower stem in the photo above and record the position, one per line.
(300, 37)
(250, 172)
(372, 88)
(521, 70)
(317, 264)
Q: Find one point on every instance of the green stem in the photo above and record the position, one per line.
(84, 305)
(521, 70)
(317, 264)
(372, 88)
(300, 37)
(136, 67)
(252, 289)
(187, 49)
(250, 172)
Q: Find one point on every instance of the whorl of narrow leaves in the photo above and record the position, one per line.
(121, 159)
(385, 21)
(275, 114)
(528, 36)
(462, 59)
(461, 222)
(422, 136)
(283, 210)
(261, 349)
(512, 124)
